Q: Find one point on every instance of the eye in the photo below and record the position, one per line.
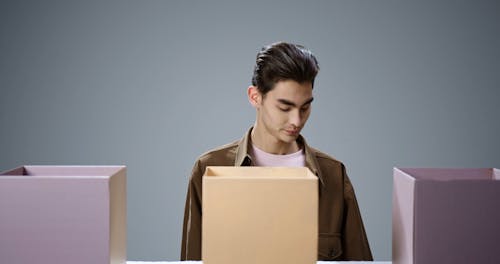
(286, 109)
(305, 108)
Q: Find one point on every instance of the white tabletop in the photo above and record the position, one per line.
(199, 262)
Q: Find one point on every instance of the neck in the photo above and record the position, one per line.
(270, 144)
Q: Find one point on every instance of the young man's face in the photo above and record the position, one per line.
(284, 110)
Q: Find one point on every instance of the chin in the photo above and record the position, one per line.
(289, 139)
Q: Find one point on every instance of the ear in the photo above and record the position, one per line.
(254, 96)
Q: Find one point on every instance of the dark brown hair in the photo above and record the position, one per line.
(283, 61)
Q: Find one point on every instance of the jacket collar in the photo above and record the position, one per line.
(243, 157)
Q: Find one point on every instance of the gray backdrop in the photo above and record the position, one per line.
(153, 84)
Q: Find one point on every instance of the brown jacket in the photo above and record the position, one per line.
(341, 232)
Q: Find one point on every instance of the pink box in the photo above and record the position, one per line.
(63, 214)
(446, 216)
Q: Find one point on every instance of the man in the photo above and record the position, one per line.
(281, 93)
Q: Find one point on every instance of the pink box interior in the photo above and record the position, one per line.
(63, 214)
(437, 174)
(65, 171)
(446, 215)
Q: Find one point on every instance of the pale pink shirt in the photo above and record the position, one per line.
(262, 158)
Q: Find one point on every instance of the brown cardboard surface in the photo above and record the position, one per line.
(259, 215)
(63, 214)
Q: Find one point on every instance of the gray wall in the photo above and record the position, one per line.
(153, 84)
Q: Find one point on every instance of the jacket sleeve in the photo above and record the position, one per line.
(355, 242)
(191, 233)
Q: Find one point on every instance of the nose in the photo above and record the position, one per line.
(296, 118)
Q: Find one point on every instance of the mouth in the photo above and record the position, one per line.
(292, 132)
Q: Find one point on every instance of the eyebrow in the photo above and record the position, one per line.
(290, 103)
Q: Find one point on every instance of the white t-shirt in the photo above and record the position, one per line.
(262, 158)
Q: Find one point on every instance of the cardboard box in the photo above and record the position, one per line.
(259, 215)
(63, 214)
(446, 216)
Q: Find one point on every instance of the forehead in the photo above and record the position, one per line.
(291, 90)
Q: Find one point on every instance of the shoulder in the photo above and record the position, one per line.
(324, 159)
(220, 156)
(334, 174)
(331, 171)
